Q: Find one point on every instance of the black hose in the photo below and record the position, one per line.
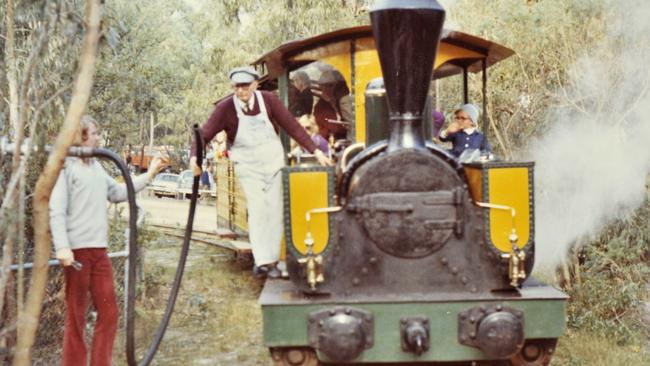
(171, 301)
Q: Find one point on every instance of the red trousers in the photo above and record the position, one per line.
(96, 278)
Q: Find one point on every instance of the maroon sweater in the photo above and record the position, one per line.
(224, 117)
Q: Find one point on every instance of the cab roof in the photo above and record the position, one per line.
(468, 51)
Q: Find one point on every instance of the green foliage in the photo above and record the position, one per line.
(547, 36)
(170, 59)
(53, 70)
(610, 299)
(583, 348)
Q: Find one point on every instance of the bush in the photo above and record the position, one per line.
(610, 299)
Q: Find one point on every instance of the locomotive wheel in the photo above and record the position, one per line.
(299, 356)
(535, 352)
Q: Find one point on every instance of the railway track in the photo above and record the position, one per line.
(239, 246)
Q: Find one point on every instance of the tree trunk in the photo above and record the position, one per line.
(141, 130)
(152, 127)
(20, 281)
(12, 72)
(28, 320)
(8, 225)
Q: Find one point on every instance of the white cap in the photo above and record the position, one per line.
(243, 75)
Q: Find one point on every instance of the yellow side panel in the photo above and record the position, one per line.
(475, 182)
(367, 68)
(308, 190)
(510, 187)
(342, 63)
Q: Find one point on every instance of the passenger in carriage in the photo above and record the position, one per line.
(462, 131)
(301, 99)
(438, 120)
(252, 119)
(334, 110)
(308, 122)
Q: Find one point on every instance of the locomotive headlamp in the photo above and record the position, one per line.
(495, 329)
(341, 333)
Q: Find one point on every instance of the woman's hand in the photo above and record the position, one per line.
(156, 166)
(322, 158)
(65, 256)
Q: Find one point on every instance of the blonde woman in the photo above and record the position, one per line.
(79, 225)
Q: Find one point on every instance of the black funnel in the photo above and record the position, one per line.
(407, 33)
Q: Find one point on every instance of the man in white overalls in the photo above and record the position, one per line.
(251, 120)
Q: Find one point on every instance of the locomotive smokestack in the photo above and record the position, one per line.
(407, 33)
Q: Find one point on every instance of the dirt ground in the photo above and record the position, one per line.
(173, 212)
(216, 320)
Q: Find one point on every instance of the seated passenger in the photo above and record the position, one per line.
(462, 131)
(438, 120)
(333, 112)
(307, 121)
(301, 100)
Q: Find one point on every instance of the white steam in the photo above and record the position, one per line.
(592, 165)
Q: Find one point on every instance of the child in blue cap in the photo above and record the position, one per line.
(462, 131)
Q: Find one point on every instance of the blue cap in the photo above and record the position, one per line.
(471, 110)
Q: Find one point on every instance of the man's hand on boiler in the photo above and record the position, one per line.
(322, 158)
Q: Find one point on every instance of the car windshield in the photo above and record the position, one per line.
(167, 178)
(186, 175)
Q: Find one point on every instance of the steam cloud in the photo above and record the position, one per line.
(592, 165)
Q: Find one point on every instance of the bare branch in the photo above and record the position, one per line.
(6, 330)
(20, 250)
(46, 30)
(10, 196)
(7, 252)
(12, 67)
(51, 99)
(28, 320)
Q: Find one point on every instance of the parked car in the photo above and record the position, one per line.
(165, 184)
(185, 185)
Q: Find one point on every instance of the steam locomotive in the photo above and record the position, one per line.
(401, 254)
